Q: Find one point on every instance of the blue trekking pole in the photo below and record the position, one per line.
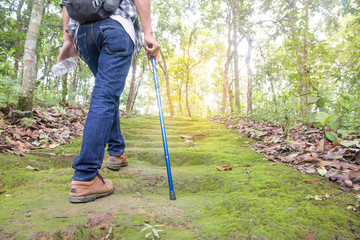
(157, 88)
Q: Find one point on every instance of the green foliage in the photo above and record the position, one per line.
(9, 87)
(27, 121)
(152, 233)
(331, 136)
(60, 110)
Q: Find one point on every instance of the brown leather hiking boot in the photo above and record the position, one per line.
(115, 163)
(82, 192)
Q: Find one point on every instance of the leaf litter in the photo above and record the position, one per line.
(304, 147)
(47, 129)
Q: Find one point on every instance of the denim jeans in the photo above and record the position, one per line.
(107, 50)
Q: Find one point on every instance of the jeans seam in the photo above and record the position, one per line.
(93, 37)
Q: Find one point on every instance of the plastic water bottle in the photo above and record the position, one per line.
(63, 67)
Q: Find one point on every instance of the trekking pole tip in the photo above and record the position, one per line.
(172, 195)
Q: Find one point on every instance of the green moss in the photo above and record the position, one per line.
(255, 199)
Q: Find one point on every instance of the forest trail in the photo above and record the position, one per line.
(256, 199)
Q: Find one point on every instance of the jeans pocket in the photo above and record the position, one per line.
(116, 40)
(81, 47)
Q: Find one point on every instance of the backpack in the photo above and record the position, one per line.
(91, 10)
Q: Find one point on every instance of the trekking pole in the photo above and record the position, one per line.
(167, 160)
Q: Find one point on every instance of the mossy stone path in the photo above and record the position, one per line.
(256, 199)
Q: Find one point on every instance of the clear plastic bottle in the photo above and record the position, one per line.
(63, 67)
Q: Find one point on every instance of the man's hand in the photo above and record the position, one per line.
(68, 48)
(67, 51)
(152, 47)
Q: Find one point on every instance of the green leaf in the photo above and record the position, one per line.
(108, 235)
(146, 227)
(308, 197)
(36, 143)
(331, 136)
(258, 133)
(327, 119)
(31, 168)
(322, 171)
(276, 139)
(349, 143)
(314, 99)
(313, 131)
(322, 117)
(344, 132)
(155, 233)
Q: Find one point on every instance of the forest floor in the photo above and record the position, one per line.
(256, 199)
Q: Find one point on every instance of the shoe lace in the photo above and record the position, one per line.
(101, 178)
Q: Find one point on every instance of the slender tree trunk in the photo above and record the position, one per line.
(27, 88)
(64, 88)
(188, 68)
(132, 88)
(236, 55)
(75, 81)
(231, 97)
(249, 75)
(167, 80)
(225, 74)
(187, 93)
(180, 92)
(236, 79)
(301, 55)
(17, 42)
(304, 84)
(138, 84)
(268, 73)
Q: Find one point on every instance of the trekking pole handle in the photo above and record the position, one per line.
(150, 46)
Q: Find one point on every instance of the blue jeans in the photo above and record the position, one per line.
(107, 50)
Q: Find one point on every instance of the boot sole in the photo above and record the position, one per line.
(89, 198)
(116, 167)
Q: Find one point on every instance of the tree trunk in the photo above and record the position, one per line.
(187, 93)
(27, 88)
(75, 81)
(268, 73)
(64, 88)
(17, 42)
(304, 84)
(132, 88)
(188, 68)
(231, 97)
(167, 80)
(236, 56)
(249, 75)
(180, 106)
(301, 55)
(138, 84)
(229, 56)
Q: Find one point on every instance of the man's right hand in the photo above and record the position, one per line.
(152, 47)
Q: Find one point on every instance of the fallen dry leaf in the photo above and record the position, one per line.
(321, 146)
(224, 168)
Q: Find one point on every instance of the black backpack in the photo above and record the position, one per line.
(91, 10)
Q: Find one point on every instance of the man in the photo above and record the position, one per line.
(107, 47)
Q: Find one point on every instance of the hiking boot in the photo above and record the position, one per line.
(82, 192)
(115, 163)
